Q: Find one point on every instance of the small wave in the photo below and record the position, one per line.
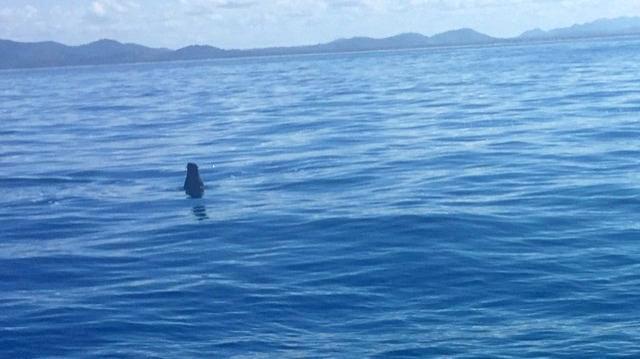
(113, 108)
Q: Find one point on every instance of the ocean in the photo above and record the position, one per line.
(467, 202)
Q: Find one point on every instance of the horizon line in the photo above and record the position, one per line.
(499, 38)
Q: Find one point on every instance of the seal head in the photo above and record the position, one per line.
(193, 185)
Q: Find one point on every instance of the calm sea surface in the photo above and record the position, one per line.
(462, 202)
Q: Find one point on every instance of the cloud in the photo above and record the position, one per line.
(104, 14)
(206, 7)
(22, 13)
(103, 8)
(415, 5)
(98, 8)
(14, 19)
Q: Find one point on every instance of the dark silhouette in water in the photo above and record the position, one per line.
(193, 185)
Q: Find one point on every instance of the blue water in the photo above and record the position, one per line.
(461, 202)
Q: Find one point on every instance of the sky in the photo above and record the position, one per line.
(264, 23)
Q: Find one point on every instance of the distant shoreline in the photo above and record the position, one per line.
(32, 55)
(496, 44)
(505, 43)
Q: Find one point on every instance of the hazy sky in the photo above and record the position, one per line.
(260, 23)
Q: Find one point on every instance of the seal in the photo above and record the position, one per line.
(193, 185)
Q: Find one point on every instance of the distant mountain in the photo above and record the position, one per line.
(407, 41)
(598, 28)
(533, 34)
(461, 37)
(38, 54)
(46, 54)
(196, 52)
(109, 51)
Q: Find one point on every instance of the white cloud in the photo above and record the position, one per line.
(105, 7)
(206, 6)
(14, 19)
(98, 8)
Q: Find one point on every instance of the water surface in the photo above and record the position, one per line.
(462, 202)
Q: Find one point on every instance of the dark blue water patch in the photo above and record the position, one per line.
(622, 109)
(420, 352)
(19, 182)
(597, 95)
(613, 135)
(9, 132)
(475, 106)
(47, 229)
(152, 93)
(306, 126)
(48, 273)
(106, 108)
(124, 171)
(322, 184)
